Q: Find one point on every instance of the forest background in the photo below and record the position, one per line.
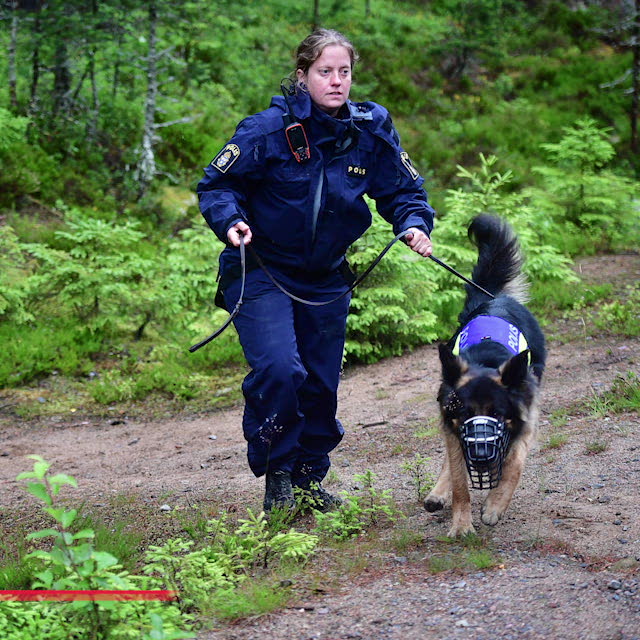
(110, 110)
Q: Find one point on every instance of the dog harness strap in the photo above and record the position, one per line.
(490, 328)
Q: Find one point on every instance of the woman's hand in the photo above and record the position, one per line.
(419, 242)
(238, 230)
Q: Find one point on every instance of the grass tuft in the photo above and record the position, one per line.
(255, 597)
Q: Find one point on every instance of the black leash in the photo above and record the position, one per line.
(457, 273)
(315, 303)
(236, 309)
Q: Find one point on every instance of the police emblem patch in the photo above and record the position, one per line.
(226, 157)
(406, 161)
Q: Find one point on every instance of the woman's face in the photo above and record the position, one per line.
(328, 79)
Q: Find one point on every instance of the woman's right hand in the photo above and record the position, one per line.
(238, 230)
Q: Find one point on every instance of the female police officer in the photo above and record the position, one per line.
(297, 196)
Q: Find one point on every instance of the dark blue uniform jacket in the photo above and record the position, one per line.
(304, 216)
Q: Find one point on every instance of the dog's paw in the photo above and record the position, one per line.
(433, 503)
(490, 516)
(460, 530)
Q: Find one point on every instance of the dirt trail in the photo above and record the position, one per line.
(570, 542)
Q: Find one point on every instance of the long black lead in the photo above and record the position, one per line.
(457, 273)
(236, 309)
(315, 303)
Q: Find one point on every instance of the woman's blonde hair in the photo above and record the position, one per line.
(311, 48)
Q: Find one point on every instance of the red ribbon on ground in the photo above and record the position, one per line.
(44, 595)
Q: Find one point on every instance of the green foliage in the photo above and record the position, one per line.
(420, 59)
(93, 282)
(15, 572)
(27, 170)
(251, 598)
(555, 441)
(583, 198)
(52, 346)
(621, 316)
(489, 194)
(420, 477)
(120, 538)
(228, 576)
(12, 129)
(550, 297)
(476, 30)
(407, 300)
(74, 563)
(145, 377)
(393, 309)
(107, 275)
(99, 274)
(212, 578)
(623, 396)
(467, 553)
(119, 287)
(12, 265)
(358, 512)
(594, 447)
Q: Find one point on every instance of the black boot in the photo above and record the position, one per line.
(278, 492)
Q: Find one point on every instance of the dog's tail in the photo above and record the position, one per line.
(499, 266)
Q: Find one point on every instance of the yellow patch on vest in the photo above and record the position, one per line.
(223, 161)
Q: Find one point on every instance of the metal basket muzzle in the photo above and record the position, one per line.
(485, 441)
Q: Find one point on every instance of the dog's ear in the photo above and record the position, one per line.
(452, 366)
(514, 372)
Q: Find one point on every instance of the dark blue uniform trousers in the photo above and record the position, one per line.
(295, 354)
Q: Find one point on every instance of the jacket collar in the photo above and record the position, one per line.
(303, 108)
(340, 131)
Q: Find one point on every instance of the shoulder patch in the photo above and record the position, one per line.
(406, 161)
(223, 161)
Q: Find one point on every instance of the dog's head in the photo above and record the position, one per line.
(469, 390)
(486, 408)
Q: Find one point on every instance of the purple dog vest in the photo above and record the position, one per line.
(490, 328)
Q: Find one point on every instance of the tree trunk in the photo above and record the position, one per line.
(147, 163)
(316, 15)
(635, 95)
(118, 34)
(61, 78)
(35, 70)
(116, 69)
(13, 40)
(92, 124)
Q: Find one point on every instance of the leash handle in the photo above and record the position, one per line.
(236, 309)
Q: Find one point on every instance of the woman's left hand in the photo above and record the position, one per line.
(419, 242)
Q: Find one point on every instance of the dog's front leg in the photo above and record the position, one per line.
(461, 500)
(439, 495)
(499, 498)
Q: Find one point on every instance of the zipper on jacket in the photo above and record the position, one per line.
(317, 201)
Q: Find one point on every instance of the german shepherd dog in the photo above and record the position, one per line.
(491, 373)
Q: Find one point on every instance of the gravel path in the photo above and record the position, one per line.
(568, 547)
(531, 598)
